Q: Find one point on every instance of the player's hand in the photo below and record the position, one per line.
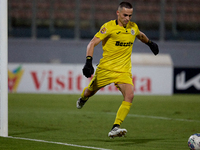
(153, 46)
(88, 69)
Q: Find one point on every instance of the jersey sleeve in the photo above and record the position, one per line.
(103, 32)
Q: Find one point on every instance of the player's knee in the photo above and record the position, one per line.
(88, 93)
(130, 97)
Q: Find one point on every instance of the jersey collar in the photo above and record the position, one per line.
(116, 21)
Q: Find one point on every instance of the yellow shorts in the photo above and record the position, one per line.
(105, 77)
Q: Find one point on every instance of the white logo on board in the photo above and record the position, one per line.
(181, 84)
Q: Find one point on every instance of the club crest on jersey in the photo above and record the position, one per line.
(103, 30)
(132, 31)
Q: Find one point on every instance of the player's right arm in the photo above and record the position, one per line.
(90, 47)
(88, 69)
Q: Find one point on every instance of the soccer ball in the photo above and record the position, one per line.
(194, 142)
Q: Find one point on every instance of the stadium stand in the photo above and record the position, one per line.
(63, 13)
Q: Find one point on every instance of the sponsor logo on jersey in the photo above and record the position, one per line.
(118, 43)
(103, 30)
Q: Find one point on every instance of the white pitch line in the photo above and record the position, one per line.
(162, 118)
(139, 116)
(157, 117)
(59, 143)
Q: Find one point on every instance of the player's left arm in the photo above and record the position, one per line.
(153, 46)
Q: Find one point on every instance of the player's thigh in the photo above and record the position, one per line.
(100, 80)
(124, 83)
(127, 91)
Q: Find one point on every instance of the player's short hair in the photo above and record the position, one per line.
(125, 4)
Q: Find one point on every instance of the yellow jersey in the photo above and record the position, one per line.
(117, 43)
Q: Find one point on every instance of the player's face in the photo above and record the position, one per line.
(124, 16)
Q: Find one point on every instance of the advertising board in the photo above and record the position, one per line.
(187, 80)
(68, 79)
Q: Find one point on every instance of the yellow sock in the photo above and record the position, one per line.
(122, 112)
(82, 95)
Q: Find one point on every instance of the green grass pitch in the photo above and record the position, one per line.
(154, 122)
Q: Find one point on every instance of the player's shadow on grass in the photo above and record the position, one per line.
(126, 141)
(30, 130)
(136, 141)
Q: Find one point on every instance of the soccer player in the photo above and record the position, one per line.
(117, 37)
